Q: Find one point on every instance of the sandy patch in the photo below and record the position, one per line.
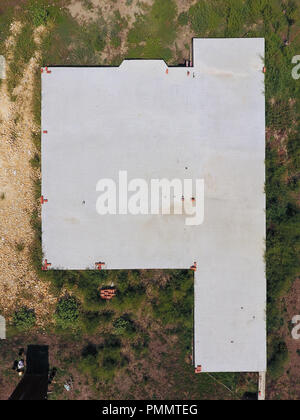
(19, 284)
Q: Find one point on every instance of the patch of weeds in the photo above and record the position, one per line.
(20, 246)
(207, 16)
(38, 13)
(74, 43)
(279, 357)
(87, 4)
(5, 20)
(36, 137)
(124, 326)
(24, 50)
(154, 32)
(183, 19)
(117, 24)
(101, 362)
(67, 313)
(35, 162)
(37, 189)
(90, 321)
(24, 319)
(141, 345)
(41, 12)
(36, 253)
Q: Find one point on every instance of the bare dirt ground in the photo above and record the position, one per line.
(19, 284)
(85, 10)
(288, 386)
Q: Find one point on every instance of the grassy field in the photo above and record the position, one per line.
(145, 333)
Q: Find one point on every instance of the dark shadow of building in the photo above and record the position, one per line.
(34, 384)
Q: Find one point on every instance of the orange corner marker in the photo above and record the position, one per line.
(194, 266)
(198, 369)
(45, 265)
(98, 265)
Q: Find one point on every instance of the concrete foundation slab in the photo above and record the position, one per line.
(202, 122)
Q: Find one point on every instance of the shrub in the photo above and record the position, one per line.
(278, 360)
(24, 319)
(67, 312)
(124, 325)
(183, 19)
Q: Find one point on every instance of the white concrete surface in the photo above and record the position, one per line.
(262, 386)
(2, 328)
(211, 125)
(2, 67)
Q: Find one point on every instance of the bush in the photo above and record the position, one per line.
(124, 325)
(24, 319)
(67, 312)
(183, 19)
(280, 357)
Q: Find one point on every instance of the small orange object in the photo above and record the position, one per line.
(45, 132)
(264, 69)
(167, 71)
(194, 266)
(107, 294)
(45, 265)
(198, 369)
(188, 73)
(99, 265)
(43, 200)
(193, 199)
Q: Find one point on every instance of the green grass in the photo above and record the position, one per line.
(154, 32)
(24, 50)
